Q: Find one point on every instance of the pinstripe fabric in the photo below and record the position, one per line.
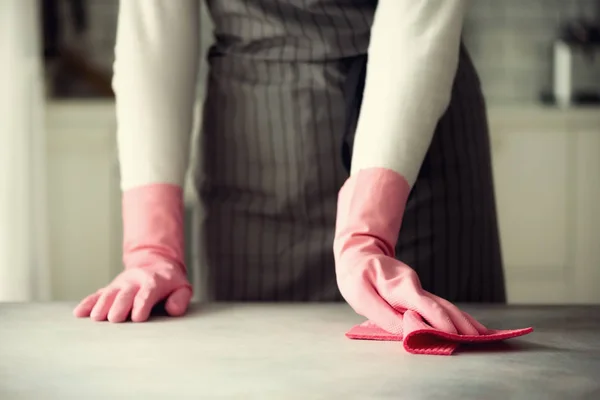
(450, 233)
(283, 96)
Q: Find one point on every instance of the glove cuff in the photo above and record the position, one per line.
(370, 204)
(153, 225)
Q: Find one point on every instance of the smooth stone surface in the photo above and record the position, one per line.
(282, 351)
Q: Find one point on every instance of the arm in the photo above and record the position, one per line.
(155, 71)
(154, 80)
(156, 66)
(413, 57)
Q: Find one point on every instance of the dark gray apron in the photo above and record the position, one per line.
(283, 93)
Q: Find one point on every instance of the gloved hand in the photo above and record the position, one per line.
(153, 259)
(376, 285)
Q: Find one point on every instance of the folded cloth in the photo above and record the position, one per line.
(420, 338)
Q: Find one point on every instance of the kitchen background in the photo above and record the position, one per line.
(510, 42)
(546, 158)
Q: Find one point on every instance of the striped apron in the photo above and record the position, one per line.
(282, 99)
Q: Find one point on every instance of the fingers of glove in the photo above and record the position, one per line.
(178, 301)
(100, 310)
(433, 313)
(372, 306)
(462, 324)
(145, 299)
(122, 304)
(480, 327)
(85, 306)
(407, 294)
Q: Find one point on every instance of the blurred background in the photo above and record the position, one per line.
(60, 237)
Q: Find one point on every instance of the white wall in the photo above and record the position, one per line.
(84, 197)
(22, 155)
(548, 192)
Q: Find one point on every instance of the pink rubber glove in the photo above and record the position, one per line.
(153, 259)
(376, 285)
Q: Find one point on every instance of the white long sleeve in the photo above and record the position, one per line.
(155, 72)
(413, 58)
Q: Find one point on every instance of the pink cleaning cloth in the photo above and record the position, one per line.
(420, 338)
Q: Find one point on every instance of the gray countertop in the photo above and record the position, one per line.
(285, 352)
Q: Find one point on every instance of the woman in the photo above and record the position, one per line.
(285, 105)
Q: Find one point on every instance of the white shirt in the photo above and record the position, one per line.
(413, 56)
